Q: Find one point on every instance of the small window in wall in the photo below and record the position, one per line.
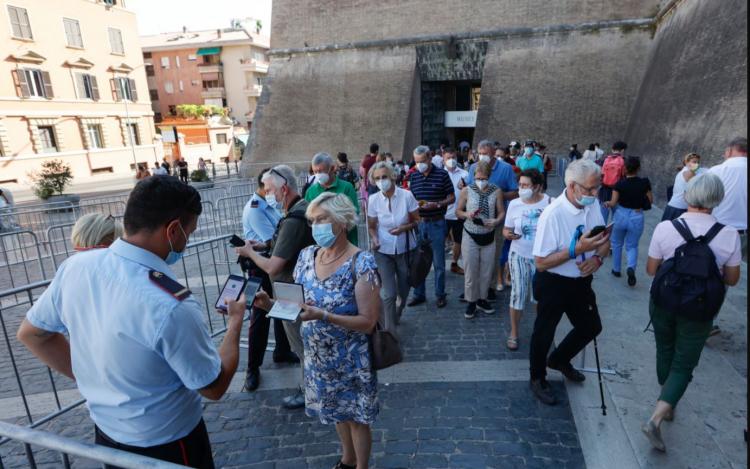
(115, 41)
(133, 138)
(48, 139)
(195, 83)
(110, 2)
(149, 70)
(259, 56)
(87, 86)
(221, 138)
(94, 132)
(147, 55)
(157, 117)
(165, 62)
(182, 87)
(259, 81)
(32, 82)
(124, 88)
(19, 22)
(192, 57)
(153, 94)
(73, 33)
(177, 61)
(172, 109)
(168, 87)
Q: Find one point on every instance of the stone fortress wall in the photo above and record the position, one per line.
(668, 76)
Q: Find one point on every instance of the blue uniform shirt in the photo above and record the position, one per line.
(259, 220)
(139, 355)
(502, 176)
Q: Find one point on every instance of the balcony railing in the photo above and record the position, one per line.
(209, 68)
(253, 65)
(253, 90)
(208, 93)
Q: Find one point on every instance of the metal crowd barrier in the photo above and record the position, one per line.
(67, 447)
(228, 214)
(213, 194)
(247, 189)
(115, 208)
(21, 263)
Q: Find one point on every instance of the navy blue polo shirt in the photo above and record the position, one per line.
(433, 187)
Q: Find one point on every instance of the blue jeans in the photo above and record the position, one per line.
(605, 195)
(628, 229)
(436, 232)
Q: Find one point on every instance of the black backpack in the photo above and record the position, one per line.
(690, 283)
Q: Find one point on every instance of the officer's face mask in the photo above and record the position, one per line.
(173, 257)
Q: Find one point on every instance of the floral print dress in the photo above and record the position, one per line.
(340, 384)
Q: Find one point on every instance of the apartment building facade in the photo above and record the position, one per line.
(220, 67)
(74, 89)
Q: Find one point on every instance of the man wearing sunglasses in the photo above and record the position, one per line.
(138, 347)
(293, 234)
(566, 254)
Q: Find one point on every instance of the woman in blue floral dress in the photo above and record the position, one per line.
(342, 295)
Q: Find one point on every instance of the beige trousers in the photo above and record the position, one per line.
(479, 263)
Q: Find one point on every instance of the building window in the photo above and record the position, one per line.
(259, 56)
(32, 82)
(192, 57)
(115, 41)
(165, 62)
(147, 55)
(195, 82)
(172, 110)
(168, 87)
(47, 137)
(94, 132)
(19, 22)
(221, 138)
(124, 88)
(177, 61)
(211, 59)
(87, 86)
(153, 94)
(157, 117)
(110, 2)
(133, 139)
(208, 84)
(150, 70)
(73, 33)
(259, 81)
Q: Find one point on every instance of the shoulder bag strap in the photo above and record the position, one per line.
(681, 226)
(712, 232)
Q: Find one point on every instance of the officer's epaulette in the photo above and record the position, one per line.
(164, 282)
(254, 203)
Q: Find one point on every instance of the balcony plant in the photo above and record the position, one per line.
(50, 182)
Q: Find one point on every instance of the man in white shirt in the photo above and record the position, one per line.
(599, 152)
(566, 255)
(455, 226)
(733, 173)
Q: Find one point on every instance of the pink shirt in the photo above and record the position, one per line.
(725, 245)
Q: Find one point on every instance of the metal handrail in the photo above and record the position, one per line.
(92, 452)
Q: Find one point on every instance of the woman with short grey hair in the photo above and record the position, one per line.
(392, 216)
(680, 339)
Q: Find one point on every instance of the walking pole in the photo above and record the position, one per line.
(599, 373)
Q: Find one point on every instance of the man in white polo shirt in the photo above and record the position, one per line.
(733, 173)
(566, 255)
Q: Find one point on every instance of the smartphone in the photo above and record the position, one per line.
(600, 229)
(232, 290)
(236, 241)
(252, 285)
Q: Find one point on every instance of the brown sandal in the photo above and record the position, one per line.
(512, 343)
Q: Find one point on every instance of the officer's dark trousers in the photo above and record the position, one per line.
(258, 339)
(193, 450)
(556, 295)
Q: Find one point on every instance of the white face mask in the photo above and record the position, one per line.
(450, 163)
(484, 158)
(525, 194)
(322, 178)
(422, 167)
(481, 184)
(384, 184)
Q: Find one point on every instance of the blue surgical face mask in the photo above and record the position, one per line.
(271, 200)
(586, 200)
(174, 257)
(528, 151)
(323, 234)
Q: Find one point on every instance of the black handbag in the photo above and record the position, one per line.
(419, 261)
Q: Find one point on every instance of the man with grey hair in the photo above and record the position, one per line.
(292, 235)
(733, 173)
(567, 252)
(327, 180)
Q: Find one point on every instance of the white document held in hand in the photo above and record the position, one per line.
(287, 298)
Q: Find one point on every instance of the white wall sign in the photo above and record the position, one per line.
(461, 119)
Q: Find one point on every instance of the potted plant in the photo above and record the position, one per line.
(200, 179)
(50, 182)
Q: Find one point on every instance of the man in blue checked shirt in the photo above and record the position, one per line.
(138, 347)
(259, 223)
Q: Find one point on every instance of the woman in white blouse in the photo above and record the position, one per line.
(392, 215)
(691, 167)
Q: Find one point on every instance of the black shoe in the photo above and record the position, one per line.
(285, 358)
(484, 307)
(491, 295)
(416, 301)
(631, 276)
(568, 371)
(616, 274)
(252, 380)
(462, 298)
(543, 391)
(441, 302)
(471, 311)
(295, 401)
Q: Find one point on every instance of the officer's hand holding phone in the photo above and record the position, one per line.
(235, 311)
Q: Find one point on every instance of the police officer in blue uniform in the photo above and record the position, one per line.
(259, 222)
(138, 345)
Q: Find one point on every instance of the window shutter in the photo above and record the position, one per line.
(133, 92)
(22, 86)
(115, 89)
(80, 86)
(47, 86)
(94, 88)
